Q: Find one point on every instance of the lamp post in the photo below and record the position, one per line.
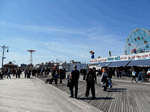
(56, 58)
(3, 47)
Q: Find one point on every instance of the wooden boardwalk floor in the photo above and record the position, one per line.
(123, 97)
(33, 95)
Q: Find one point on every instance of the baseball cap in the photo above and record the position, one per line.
(94, 68)
(75, 66)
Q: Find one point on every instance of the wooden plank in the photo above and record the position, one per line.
(118, 99)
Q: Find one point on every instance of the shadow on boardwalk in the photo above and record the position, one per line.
(117, 99)
(97, 98)
(116, 90)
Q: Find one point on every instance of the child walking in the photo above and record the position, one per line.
(133, 76)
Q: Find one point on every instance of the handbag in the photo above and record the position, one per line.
(103, 84)
(69, 83)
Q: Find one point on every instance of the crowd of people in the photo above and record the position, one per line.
(6, 73)
(90, 76)
(106, 78)
(91, 79)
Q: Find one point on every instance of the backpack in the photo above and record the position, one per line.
(89, 79)
(56, 76)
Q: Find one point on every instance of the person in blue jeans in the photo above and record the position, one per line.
(141, 73)
(110, 73)
(8, 73)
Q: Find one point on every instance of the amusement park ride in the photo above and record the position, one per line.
(138, 41)
(31, 51)
(137, 46)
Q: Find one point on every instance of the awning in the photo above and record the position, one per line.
(92, 66)
(104, 64)
(140, 63)
(119, 64)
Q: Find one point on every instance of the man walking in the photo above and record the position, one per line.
(90, 81)
(61, 75)
(74, 77)
(110, 73)
(1, 75)
(25, 73)
(84, 73)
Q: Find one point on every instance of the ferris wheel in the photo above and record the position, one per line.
(138, 41)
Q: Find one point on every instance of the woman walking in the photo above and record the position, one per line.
(103, 80)
(110, 73)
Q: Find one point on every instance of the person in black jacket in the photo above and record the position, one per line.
(33, 72)
(53, 72)
(61, 76)
(110, 73)
(64, 72)
(28, 73)
(1, 75)
(90, 83)
(74, 77)
(84, 73)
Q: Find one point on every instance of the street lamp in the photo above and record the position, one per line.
(4, 47)
(56, 58)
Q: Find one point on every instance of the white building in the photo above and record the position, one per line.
(100, 62)
(69, 66)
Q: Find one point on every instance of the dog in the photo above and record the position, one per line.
(49, 80)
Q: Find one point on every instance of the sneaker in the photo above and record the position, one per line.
(86, 96)
(76, 97)
(70, 96)
(111, 87)
(93, 97)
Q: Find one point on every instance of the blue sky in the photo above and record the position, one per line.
(68, 29)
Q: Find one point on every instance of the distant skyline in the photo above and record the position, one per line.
(68, 29)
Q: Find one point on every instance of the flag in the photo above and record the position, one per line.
(4, 57)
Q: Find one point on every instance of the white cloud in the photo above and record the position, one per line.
(66, 51)
(51, 29)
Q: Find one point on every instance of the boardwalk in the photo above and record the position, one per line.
(32, 95)
(123, 97)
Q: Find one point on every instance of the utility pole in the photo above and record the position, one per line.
(3, 47)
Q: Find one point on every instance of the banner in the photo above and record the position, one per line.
(138, 56)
